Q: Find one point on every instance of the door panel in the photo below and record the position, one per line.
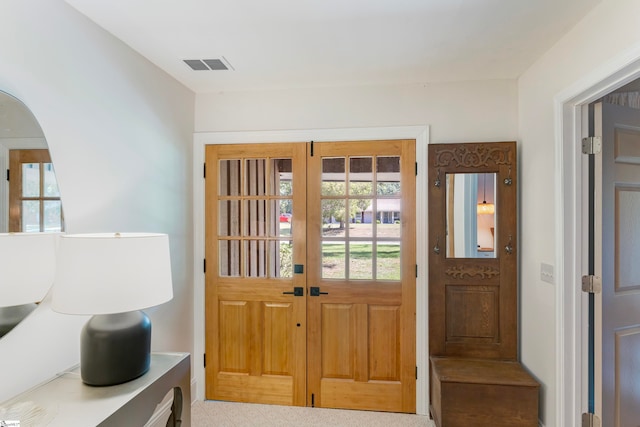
(255, 225)
(361, 237)
(620, 311)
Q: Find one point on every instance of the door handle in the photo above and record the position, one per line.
(315, 292)
(298, 291)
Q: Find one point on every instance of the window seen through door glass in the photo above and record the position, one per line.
(255, 225)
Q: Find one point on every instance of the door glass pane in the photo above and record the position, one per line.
(281, 211)
(52, 215)
(333, 177)
(255, 258)
(360, 260)
(50, 183)
(360, 176)
(388, 217)
(31, 180)
(30, 216)
(388, 261)
(388, 175)
(255, 216)
(333, 260)
(229, 254)
(281, 254)
(229, 178)
(360, 218)
(281, 177)
(333, 217)
(229, 218)
(255, 177)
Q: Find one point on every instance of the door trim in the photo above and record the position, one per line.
(419, 133)
(571, 125)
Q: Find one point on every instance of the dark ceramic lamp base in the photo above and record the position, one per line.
(115, 348)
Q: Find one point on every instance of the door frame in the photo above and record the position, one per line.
(419, 133)
(571, 232)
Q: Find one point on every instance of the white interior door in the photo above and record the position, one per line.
(620, 268)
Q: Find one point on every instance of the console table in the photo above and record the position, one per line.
(65, 400)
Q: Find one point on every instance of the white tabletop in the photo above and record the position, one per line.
(65, 400)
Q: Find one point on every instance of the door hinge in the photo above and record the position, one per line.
(204, 265)
(311, 148)
(591, 284)
(8, 174)
(416, 168)
(592, 145)
(416, 270)
(416, 372)
(204, 359)
(204, 170)
(590, 420)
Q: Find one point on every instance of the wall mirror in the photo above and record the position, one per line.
(471, 214)
(30, 200)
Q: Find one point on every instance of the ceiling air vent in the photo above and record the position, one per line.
(208, 64)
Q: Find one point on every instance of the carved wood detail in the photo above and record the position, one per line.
(484, 272)
(472, 156)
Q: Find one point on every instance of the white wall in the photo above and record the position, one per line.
(455, 112)
(606, 34)
(119, 131)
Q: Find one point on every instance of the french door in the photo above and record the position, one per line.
(310, 282)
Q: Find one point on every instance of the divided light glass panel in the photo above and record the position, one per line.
(31, 180)
(255, 209)
(50, 182)
(361, 213)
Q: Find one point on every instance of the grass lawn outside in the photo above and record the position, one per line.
(361, 260)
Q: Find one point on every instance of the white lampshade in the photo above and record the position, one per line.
(27, 266)
(111, 273)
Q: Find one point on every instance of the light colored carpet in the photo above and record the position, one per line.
(229, 414)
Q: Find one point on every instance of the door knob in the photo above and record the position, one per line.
(314, 291)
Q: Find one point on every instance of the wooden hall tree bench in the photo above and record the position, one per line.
(476, 379)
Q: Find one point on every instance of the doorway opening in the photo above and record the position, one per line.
(310, 301)
(572, 234)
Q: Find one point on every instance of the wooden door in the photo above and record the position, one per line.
(361, 275)
(620, 231)
(256, 251)
(34, 197)
(473, 277)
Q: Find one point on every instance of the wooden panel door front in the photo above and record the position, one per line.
(255, 280)
(361, 258)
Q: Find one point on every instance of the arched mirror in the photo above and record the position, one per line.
(29, 195)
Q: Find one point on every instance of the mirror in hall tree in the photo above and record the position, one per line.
(470, 215)
(29, 198)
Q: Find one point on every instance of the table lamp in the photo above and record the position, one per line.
(112, 276)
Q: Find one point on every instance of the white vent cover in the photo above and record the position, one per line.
(208, 64)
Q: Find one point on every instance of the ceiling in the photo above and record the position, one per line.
(276, 44)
